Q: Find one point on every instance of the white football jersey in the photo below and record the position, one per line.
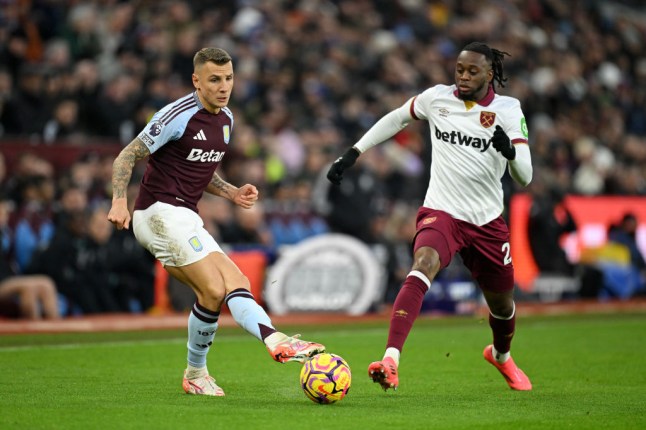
(466, 169)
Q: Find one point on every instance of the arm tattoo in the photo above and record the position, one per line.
(220, 187)
(123, 165)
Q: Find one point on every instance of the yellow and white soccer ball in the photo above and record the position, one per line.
(326, 378)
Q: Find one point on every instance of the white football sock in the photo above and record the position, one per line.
(500, 357)
(393, 353)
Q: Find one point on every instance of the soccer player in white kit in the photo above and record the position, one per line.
(185, 142)
(476, 134)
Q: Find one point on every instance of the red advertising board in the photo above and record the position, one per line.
(593, 216)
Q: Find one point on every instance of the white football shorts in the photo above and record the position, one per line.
(174, 235)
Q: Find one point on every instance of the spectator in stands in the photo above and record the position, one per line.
(81, 31)
(28, 164)
(6, 91)
(3, 175)
(351, 207)
(23, 296)
(79, 263)
(549, 220)
(72, 199)
(33, 221)
(624, 277)
(63, 126)
(117, 108)
(88, 89)
(290, 215)
(25, 112)
(625, 232)
(248, 228)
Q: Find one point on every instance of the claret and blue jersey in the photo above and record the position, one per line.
(186, 144)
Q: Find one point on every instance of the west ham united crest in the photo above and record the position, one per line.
(487, 119)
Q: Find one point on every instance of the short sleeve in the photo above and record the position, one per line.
(420, 105)
(157, 133)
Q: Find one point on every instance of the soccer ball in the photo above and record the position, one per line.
(325, 378)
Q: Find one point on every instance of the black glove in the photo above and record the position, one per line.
(335, 174)
(500, 141)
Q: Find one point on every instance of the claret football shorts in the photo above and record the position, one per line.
(174, 235)
(485, 249)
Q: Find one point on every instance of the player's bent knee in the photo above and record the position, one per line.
(427, 261)
(242, 282)
(215, 295)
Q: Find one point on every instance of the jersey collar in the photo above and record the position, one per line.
(486, 100)
(197, 100)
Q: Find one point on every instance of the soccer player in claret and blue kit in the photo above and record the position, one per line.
(476, 135)
(185, 142)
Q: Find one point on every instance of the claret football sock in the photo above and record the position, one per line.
(502, 329)
(406, 308)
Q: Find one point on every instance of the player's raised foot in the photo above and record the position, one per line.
(384, 372)
(203, 385)
(515, 377)
(291, 348)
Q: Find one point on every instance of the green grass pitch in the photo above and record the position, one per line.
(588, 371)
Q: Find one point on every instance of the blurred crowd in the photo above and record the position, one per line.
(311, 77)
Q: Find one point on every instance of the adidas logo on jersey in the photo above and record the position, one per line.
(457, 138)
(200, 135)
(202, 156)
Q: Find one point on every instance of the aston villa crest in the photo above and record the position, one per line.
(226, 131)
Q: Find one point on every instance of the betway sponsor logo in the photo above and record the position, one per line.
(457, 138)
(202, 156)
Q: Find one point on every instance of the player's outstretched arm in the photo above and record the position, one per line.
(244, 196)
(387, 126)
(121, 174)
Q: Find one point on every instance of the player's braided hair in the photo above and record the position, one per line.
(496, 58)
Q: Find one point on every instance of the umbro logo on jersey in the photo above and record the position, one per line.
(457, 138)
(200, 135)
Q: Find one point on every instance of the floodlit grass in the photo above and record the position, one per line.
(588, 372)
